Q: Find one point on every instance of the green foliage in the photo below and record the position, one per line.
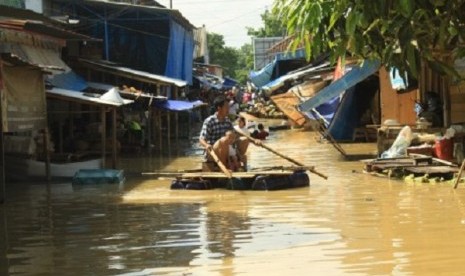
(237, 63)
(245, 63)
(399, 33)
(222, 55)
(272, 26)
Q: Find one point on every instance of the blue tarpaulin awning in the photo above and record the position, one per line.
(350, 79)
(174, 105)
(263, 76)
(68, 81)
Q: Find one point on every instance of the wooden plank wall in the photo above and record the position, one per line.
(457, 103)
(394, 105)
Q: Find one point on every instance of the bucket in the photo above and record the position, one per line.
(443, 149)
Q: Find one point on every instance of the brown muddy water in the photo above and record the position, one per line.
(350, 224)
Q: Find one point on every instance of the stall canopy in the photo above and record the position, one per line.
(70, 86)
(126, 72)
(110, 98)
(350, 79)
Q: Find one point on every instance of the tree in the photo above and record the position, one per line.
(245, 63)
(222, 55)
(398, 33)
(272, 26)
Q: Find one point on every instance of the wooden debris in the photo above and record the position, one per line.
(417, 165)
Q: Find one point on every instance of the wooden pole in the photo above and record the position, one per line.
(459, 176)
(113, 138)
(219, 163)
(176, 118)
(160, 142)
(2, 163)
(103, 135)
(47, 155)
(168, 129)
(280, 154)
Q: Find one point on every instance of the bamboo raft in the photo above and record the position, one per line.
(272, 178)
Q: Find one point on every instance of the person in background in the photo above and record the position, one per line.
(242, 125)
(233, 108)
(261, 133)
(246, 97)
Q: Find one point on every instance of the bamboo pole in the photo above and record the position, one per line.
(280, 154)
(456, 184)
(219, 163)
(113, 138)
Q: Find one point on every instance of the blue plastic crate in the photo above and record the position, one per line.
(98, 176)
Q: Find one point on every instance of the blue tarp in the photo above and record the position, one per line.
(181, 46)
(326, 110)
(174, 105)
(346, 118)
(69, 81)
(229, 83)
(350, 79)
(150, 39)
(263, 76)
(354, 104)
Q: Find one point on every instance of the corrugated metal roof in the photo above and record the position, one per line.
(43, 58)
(41, 28)
(110, 98)
(132, 73)
(11, 12)
(150, 9)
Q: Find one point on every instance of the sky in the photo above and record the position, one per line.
(226, 17)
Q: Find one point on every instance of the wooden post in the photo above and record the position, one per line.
(459, 175)
(176, 117)
(148, 127)
(160, 142)
(168, 129)
(2, 172)
(114, 141)
(103, 134)
(47, 154)
(60, 134)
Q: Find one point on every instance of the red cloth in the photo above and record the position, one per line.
(261, 135)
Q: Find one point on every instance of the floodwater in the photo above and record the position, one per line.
(350, 224)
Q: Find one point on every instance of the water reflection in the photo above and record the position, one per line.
(350, 224)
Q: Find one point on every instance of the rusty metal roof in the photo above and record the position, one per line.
(39, 27)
